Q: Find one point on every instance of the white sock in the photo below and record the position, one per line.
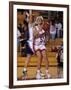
(38, 71)
(24, 69)
(47, 71)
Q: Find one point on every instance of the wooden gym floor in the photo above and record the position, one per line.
(54, 70)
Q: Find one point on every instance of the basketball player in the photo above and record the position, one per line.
(39, 46)
(28, 42)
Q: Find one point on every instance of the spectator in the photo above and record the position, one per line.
(18, 37)
(59, 31)
(52, 29)
(59, 56)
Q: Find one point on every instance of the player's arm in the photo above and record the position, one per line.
(29, 16)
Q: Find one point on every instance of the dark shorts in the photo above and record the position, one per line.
(28, 49)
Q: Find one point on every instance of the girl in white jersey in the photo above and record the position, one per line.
(28, 43)
(39, 46)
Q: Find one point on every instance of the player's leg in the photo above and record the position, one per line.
(39, 60)
(29, 53)
(44, 54)
(26, 64)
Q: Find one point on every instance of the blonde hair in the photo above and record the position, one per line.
(39, 19)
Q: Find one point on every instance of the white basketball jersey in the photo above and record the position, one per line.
(41, 39)
(30, 41)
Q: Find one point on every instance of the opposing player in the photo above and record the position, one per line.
(28, 42)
